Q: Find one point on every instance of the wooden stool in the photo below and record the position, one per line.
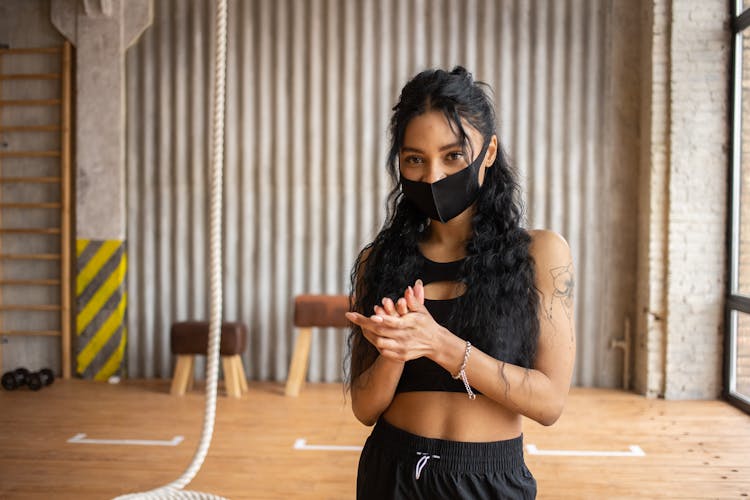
(311, 311)
(190, 338)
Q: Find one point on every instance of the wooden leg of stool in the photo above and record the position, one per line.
(191, 374)
(230, 377)
(237, 360)
(182, 372)
(298, 366)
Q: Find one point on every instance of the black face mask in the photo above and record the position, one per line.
(446, 198)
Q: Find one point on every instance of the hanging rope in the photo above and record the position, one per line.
(174, 489)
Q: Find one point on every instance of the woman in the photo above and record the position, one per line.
(463, 320)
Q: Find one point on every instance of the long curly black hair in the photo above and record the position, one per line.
(498, 311)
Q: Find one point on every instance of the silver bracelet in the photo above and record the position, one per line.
(462, 372)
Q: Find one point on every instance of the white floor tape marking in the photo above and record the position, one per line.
(81, 438)
(301, 444)
(635, 451)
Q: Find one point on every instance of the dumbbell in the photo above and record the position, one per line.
(15, 379)
(43, 377)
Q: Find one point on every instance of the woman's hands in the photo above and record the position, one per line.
(403, 330)
(400, 331)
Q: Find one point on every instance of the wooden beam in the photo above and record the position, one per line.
(29, 256)
(29, 154)
(29, 128)
(29, 180)
(30, 76)
(30, 282)
(29, 102)
(35, 50)
(31, 205)
(30, 230)
(39, 333)
(66, 241)
(29, 307)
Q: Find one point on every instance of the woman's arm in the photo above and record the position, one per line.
(374, 389)
(537, 393)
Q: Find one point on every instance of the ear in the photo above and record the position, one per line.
(491, 152)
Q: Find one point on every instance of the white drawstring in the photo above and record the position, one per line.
(423, 459)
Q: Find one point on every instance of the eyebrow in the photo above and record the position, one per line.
(452, 145)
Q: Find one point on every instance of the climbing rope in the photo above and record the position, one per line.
(174, 490)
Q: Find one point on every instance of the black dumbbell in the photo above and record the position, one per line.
(15, 379)
(43, 377)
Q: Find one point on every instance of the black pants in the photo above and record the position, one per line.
(396, 464)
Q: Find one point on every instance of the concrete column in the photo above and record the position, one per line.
(101, 31)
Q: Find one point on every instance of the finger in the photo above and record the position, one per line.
(401, 305)
(388, 306)
(419, 291)
(411, 300)
(357, 319)
(353, 316)
(379, 311)
(387, 347)
(380, 344)
(390, 323)
(364, 321)
(379, 341)
(385, 326)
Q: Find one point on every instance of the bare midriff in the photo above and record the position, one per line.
(452, 416)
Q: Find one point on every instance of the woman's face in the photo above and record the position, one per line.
(432, 150)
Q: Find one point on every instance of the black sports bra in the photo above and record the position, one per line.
(423, 374)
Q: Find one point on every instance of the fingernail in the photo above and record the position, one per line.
(411, 290)
(419, 283)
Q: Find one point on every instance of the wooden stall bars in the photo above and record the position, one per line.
(36, 131)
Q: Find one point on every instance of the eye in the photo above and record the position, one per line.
(455, 155)
(413, 160)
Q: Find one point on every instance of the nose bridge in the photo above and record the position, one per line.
(433, 171)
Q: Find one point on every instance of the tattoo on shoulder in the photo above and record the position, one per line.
(564, 285)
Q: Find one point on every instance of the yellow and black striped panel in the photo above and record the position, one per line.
(101, 299)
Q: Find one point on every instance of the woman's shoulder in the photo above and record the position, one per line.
(548, 246)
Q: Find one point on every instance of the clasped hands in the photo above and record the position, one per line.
(403, 330)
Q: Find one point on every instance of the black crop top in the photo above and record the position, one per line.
(423, 374)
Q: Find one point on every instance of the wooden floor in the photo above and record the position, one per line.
(693, 449)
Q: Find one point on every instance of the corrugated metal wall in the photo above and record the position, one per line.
(311, 84)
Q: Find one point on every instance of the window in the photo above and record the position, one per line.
(737, 347)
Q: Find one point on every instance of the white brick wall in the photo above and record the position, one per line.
(681, 356)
